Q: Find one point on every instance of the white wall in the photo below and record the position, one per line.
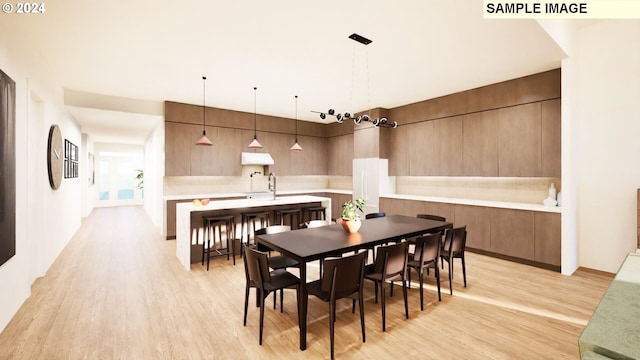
(45, 219)
(608, 171)
(153, 175)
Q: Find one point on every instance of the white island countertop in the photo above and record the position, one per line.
(184, 210)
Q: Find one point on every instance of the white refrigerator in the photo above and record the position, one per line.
(371, 180)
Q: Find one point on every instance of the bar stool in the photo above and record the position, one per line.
(249, 220)
(281, 214)
(213, 225)
(317, 213)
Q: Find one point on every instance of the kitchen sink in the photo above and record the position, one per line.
(262, 195)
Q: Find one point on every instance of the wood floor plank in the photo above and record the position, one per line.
(117, 291)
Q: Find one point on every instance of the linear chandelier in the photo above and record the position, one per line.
(377, 122)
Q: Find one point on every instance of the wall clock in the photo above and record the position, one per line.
(55, 157)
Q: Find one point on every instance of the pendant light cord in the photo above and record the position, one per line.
(204, 108)
(296, 118)
(254, 112)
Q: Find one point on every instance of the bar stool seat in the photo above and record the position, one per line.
(212, 247)
(290, 213)
(316, 213)
(249, 220)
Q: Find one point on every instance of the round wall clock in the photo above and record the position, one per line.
(55, 157)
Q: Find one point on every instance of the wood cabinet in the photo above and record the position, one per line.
(519, 141)
(480, 144)
(478, 222)
(399, 150)
(340, 155)
(531, 237)
(547, 236)
(447, 146)
(421, 151)
(512, 233)
(551, 138)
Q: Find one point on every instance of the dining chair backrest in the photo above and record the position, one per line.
(317, 223)
(428, 248)
(431, 217)
(343, 276)
(392, 259)
(256, 267)
(455, 240)
(375, 215)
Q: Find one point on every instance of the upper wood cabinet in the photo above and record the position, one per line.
(551, 138)
(480, 144)
(519, 141)
(447, 146)
(340, 155)
(399, 150)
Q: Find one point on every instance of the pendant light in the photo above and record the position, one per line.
(204, 140)
(254, 144)
(296, 146)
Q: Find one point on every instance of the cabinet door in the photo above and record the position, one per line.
(340, 155)
(421, 149)
(480, 148)
(478, 222)
(519, 141)
(512, 233)
(178, 140)
(399, 154)
(547, 238)
(551, 138)
(447, 146)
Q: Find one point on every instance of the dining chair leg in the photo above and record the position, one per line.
(464, 271)
(246, 304)
(406, 302)
(376, 290)
(261, 316)
(437, 274)
(421, 276)
(450, 263)
(383, 296)
(281, 300)
(361, 306)
(332, 320)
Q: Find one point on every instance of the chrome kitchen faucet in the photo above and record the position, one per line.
(272, 187)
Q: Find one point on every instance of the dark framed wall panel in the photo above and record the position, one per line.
(7, 168)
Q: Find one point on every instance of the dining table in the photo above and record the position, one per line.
(310, 244)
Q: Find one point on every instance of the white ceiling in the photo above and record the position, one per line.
(154, 51)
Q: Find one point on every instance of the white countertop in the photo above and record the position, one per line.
(486, 203)
(248, 203)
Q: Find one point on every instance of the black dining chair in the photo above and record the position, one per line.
(342, 278)
(276, 262)
(425, 256)
(454, 246)
(390, 265)
(431, 217)
(264, 281)
(375, 215)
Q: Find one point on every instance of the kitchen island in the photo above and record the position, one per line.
(186, 213)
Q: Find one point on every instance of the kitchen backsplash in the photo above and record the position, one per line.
(519, 190)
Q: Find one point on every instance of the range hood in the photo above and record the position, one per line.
(249, 158)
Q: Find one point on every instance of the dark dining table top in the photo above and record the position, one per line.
(316, 243)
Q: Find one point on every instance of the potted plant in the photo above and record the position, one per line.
(350, 215)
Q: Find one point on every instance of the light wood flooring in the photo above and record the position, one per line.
(117, 291)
